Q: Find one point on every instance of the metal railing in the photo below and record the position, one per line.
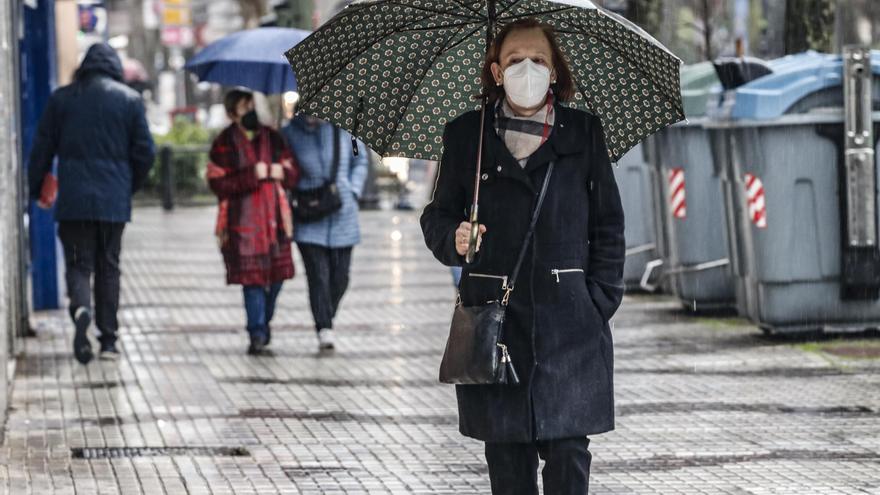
(167, 182)
(168, 188)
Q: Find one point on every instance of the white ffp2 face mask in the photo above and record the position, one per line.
(526, 83)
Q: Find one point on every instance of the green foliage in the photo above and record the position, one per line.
(809, 25)
(757, 20)
(188, 165)
(294, 13)
(648, 14)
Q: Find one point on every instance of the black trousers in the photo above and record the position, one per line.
(513, 467)
(327, 270)
(93, 247)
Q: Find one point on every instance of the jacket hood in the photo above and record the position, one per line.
(300, 121)
(101, 59)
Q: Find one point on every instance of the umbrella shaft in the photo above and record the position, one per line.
(479, 161)
(490, 24)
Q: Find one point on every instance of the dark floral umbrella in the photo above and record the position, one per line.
(393, 72)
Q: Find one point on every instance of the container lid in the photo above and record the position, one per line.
(696, 82)
(734, 72)
(794, 78)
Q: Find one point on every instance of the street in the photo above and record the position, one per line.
(704, 405)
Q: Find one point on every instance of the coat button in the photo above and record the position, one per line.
(499, 168)
(485, 177)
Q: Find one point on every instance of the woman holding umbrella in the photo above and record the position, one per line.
(250, 169)
(551, 222)
(570, 281)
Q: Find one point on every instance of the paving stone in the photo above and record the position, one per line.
(703, 406)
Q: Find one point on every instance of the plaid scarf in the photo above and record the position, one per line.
(262, 212)
(523, 135)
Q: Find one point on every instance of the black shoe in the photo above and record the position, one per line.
(82, 348)
(268, 335)
(258, 345)
(109, 352)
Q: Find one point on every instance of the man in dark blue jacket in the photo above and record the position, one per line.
(97, 128)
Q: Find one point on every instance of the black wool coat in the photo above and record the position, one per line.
(569, 287)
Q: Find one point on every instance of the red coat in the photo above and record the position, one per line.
(254, 224)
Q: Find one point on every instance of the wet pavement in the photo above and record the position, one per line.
(703, 405)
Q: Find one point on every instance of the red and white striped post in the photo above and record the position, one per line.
(677, 197)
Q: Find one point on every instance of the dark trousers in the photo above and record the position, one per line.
(327, 271)
(259, 304)
(93, 247)
(513, 467)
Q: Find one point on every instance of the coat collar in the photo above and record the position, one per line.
(564, 139)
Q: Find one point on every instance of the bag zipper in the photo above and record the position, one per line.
(502, 278)
(555, 272)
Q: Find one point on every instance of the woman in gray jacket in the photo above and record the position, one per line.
(326, 244)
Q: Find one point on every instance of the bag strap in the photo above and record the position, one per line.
(525, 245)
(336, 141)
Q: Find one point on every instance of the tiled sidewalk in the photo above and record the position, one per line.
(704, 406)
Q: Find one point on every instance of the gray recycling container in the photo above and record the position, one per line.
(636, 181)
(781, 166)
(695, 261)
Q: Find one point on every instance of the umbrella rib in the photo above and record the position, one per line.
(587, 97)
(447, 26)
(442, 50)
(509, 7)
(376, 41)
(355, 8)
(474, 11)
(624, 56)
(653, 127)
(432, 11)
(450, 47)
(538, 14)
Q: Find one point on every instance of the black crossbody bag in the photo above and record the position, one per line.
(475, 351)
(311, 205)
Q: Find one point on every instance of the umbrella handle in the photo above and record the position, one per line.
(474, 238)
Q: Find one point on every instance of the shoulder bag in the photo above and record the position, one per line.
(311, 205)
(475, 350)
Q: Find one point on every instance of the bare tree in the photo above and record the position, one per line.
(645, 13)
(809, 25)
(704, 28)
(706, 12)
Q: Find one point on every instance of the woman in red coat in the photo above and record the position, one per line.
(250, 170)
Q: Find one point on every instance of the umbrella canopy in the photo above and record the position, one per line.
(253, 58)
(393, 72)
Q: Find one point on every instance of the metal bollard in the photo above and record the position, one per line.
(861, 263)
(166, 183)
(859, 148)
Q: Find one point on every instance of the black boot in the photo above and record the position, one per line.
(258, 344)
(82, 348)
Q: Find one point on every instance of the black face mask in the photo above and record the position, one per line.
(250, 121)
